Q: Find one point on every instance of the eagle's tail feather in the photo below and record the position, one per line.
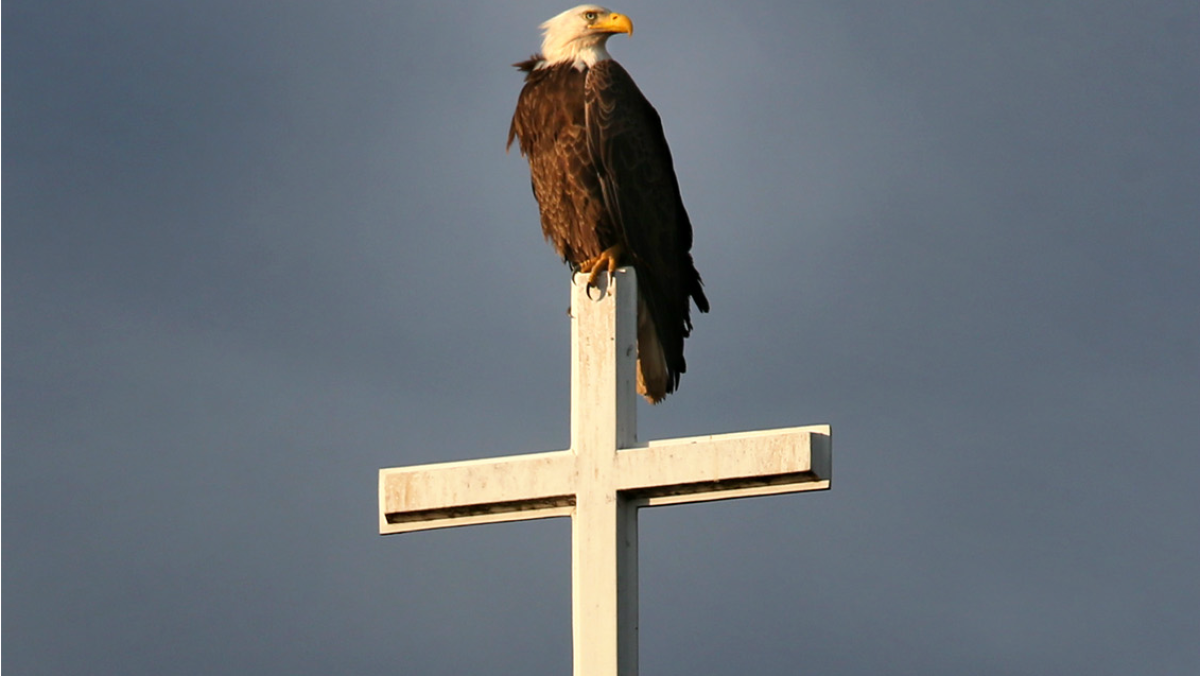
(654, 379)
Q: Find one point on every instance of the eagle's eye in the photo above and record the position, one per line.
(590, 16)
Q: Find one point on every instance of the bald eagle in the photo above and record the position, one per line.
(605, 184)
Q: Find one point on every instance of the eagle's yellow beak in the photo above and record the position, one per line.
(613, 23)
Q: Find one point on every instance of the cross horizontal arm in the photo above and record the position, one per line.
(723, 466)
(533, 486)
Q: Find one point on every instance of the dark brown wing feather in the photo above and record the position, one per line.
(639, 187)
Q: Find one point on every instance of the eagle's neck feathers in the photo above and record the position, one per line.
(576, 52)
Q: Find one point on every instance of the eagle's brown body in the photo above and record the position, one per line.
(603, 177)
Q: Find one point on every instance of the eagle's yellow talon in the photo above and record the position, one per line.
(608, 261)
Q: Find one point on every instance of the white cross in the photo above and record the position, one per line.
(602, 480)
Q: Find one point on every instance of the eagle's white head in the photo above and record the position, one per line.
(578, 35)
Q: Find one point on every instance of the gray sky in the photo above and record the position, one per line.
(254, 252)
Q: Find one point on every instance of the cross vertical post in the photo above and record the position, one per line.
(604, 526)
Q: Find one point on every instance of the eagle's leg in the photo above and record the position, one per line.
(608, 261)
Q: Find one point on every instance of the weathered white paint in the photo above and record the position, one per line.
(604, 478)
